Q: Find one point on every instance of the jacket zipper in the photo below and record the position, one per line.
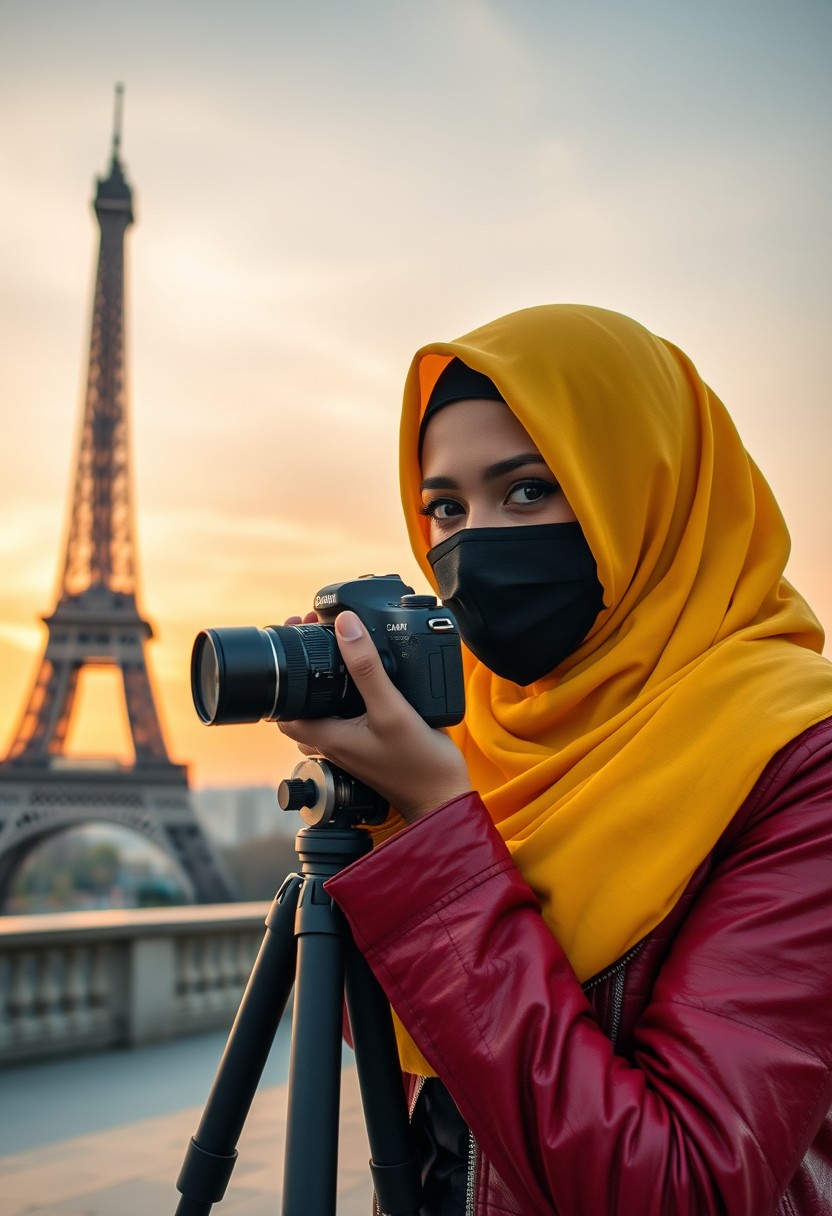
(617, 974)
(595, 980)
(420, 1085)
(617, 1004)
(473, 1154)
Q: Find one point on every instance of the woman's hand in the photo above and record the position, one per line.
(390, 747)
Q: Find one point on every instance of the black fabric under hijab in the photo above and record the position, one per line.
(457, 382)
(441, 1143)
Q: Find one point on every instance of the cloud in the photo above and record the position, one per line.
(320, 190)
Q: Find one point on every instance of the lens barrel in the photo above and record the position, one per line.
(234, 675)
(281, 673)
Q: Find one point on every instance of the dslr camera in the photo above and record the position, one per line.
(285, 672)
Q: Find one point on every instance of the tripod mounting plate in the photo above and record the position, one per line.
(323, 793)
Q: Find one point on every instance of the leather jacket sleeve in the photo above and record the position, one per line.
(729, 1079)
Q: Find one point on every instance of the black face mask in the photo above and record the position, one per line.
(525, 597)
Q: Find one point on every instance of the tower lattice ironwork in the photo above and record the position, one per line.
(97, 622)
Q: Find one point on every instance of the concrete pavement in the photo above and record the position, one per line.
(131, 1170)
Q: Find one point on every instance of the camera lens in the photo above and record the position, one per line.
(205, 677)
(234, 675)
(281, 673)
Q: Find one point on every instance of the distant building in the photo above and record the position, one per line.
(232, 816)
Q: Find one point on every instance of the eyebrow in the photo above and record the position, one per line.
(489, 473)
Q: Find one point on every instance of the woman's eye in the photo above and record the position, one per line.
(441, 508)
(524, 493)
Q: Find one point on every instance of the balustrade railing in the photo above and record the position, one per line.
(89, 980)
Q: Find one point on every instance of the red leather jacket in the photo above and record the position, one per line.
(692, 1077)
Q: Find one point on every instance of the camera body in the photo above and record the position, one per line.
(287, 672)
(417, 641)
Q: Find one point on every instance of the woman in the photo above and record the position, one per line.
(607, 917)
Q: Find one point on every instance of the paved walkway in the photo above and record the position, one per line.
(131, 1170)
(49, 1100)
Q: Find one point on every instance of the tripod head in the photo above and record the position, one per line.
(327, 795)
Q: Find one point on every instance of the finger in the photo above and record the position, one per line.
(365, 666)
(298, 731)
(292, 620)
(317, 735)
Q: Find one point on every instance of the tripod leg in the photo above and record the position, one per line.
(393, 1165)
(212, 1152)
(311, 1163)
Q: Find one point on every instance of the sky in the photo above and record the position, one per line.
(321, 188)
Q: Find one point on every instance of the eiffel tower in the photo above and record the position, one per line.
(97, 622)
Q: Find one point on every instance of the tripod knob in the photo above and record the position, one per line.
(295, 792)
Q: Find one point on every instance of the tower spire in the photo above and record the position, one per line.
(117, 116)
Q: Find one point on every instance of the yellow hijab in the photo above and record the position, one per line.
(612, 778)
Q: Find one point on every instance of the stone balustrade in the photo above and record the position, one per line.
(89, 980)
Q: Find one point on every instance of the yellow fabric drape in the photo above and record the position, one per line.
(612, 778)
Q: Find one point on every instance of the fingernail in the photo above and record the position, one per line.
(348, 626)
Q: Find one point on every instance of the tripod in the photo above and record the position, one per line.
(308, 942)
